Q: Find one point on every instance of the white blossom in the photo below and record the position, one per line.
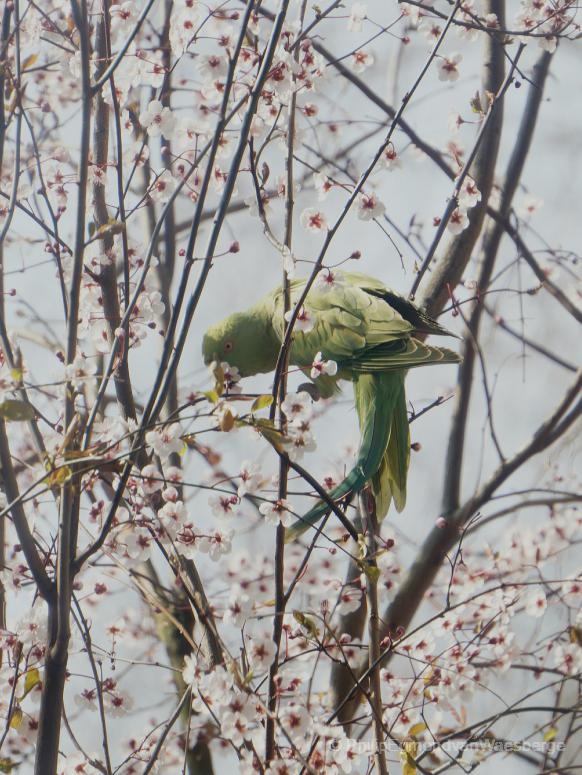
(458, 221)
(448, 67)
(250, 479)
(216, 543)
(548, 43)
(165, 440)
(157, 119)
(117, 703)
(192, 671)
(328, 280)
(469, 195)
(261, 652)
(303, 322)
(361, 60)
(297, 443)
(357, 16)
(535, 602)
(297, 407)
(568, 658)
(276, 513)
(369, 206)
(163, 187)
(313, 220)
(172, 516)
(321, 366)
(238, 609)
(389, 160)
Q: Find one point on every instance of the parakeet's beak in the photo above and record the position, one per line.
(212, 361)
(208, 353)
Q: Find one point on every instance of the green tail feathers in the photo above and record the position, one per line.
(384, 447)
(384, 452)
(397, 456)
(353, 482)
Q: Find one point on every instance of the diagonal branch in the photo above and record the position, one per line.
(489, 252)
(441, 540)
(449, 268)
(10, 486)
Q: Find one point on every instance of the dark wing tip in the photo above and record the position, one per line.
(417, 317)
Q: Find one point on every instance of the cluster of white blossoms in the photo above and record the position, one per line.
(94, 325)
(299, 439)
(298, 411)
(546, 20)
(437, 672)
(478, 627)
(541, 21)
(219, 696)
(468, 196)
(156, 514)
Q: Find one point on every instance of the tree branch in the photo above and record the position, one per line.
(449, 268)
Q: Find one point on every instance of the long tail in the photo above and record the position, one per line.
(389, 481)
(381, 405)
(384, 452)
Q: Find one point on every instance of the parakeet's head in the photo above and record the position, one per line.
(244, 340)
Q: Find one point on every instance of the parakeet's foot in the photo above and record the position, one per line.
(311, 389)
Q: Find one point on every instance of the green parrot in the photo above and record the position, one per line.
(368, 330)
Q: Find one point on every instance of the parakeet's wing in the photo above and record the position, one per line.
(415, 316)
(368, 330)
(400, 355)
(347, 320)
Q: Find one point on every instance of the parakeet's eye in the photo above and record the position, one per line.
(228, 347)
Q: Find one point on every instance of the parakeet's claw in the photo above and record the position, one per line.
(311, 389)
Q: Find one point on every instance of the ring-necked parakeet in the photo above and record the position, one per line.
(368, 330)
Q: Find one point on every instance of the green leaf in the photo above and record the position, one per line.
(362, 547)
(226, 423)
(16, 717)
(218, 373)
(306, 622)
(416, 729)
(262, 402)
(550, 734)
(29, 62)
(16, 411)
(371, 571)
(476, 105)
(311, 389)
(410, 750)
(58, 476)
(31, 679)
(111, 227)
(267, 429)
(211, 395)
(408, 767)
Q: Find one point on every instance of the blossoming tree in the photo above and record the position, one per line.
(163, 161)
